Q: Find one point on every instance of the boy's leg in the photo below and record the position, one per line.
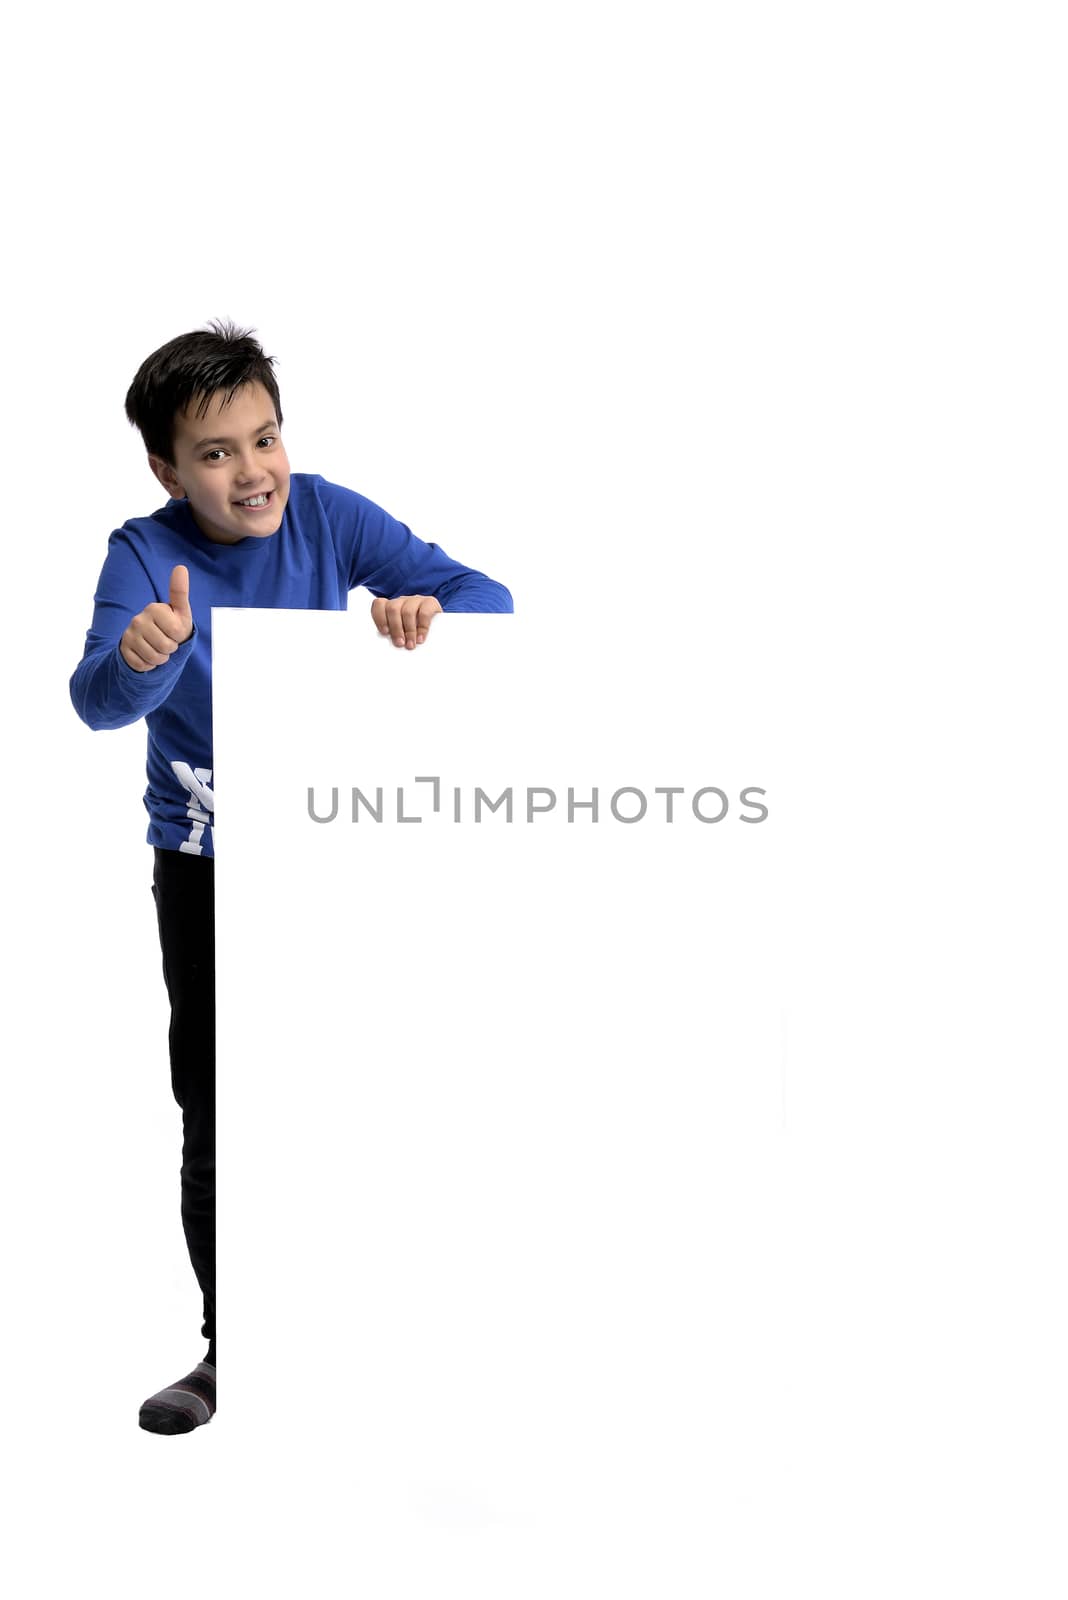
(183, 887)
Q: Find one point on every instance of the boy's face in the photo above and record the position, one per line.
(231, 453)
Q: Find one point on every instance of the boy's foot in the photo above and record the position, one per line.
(184, 1405)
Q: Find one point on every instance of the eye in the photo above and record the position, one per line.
(268, 438)
(216, 452)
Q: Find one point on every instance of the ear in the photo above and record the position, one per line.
(167, 476)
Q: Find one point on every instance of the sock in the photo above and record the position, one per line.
(184, 1405)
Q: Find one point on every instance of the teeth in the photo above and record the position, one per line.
(256, 500)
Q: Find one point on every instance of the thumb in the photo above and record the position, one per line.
(179, 597)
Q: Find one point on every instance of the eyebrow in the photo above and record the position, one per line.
(265, 427)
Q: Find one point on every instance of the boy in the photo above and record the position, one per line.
(239, 530)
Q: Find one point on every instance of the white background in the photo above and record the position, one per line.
(740, 330)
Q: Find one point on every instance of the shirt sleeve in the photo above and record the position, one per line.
(105, 690)
(383, 555)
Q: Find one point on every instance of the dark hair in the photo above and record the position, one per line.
(201, 363)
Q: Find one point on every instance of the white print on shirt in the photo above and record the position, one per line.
(196, 781)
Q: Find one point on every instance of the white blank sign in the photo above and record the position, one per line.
(499, 1100)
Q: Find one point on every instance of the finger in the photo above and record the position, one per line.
(395, 618)
(140, 655)
(428, 610)
(154, 653)
(410, 620)
(378, 616)
(130, 658)
(161, 629)
(180, 591)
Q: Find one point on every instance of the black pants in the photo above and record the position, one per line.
(183, 887)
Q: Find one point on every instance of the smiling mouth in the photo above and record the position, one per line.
(257, 502)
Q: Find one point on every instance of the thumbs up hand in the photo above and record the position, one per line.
(157, 631)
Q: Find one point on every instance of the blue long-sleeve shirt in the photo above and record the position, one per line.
(330, 540)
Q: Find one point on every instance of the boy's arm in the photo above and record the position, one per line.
(384, 556)
(105, 690)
